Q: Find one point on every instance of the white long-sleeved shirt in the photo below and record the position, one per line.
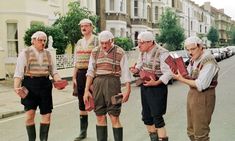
(206, 74)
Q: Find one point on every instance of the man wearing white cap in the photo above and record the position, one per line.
(32, 84)
(82, 53)
(153, 91)
(107, 64)
(203, 70)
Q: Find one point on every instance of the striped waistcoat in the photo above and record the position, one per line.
(154, 64)
(108, 63)
(83, 54)
(33, 68)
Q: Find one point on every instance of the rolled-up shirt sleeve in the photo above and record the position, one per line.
(53, 67)
(125, 73)
(90, 70)
(165, 69)
(75, 52)
(53, 70)
(139, 62)
(206, 75)
(20, 65)
(75, 56)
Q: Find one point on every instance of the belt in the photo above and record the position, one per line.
(36, 77)
(83, 69)
(211, 87)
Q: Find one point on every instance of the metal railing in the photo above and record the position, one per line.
(64, 61)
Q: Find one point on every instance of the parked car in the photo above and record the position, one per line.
(216, 53)
(232, 48)
(223, 51)
(229, 52)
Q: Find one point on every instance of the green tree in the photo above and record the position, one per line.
(232, 34)
(60, 41)
(69, 22)
(213, 36)
(171, 33)
(124, 42)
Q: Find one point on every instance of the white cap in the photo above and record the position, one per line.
(38, 34)
(146, 36)
(85, 21)
(105, 36)
(193, 40)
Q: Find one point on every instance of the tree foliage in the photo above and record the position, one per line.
(124, 42)
(213, 36)
(60, 41)
(171, 33)
(69, 22)
(232, 35)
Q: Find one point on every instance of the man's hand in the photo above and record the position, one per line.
(87, 95)
(74, 81)
(134, 70)
(150, 82)
(177, 76)
(125, 97)
(20, 92)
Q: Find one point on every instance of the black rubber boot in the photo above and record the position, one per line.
(44, 129)
(153, 136)
(31, 132)
(163, 139)
(101, 133)
(118, 134)
(83, 128)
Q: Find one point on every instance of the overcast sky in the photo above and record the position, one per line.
(227, 5)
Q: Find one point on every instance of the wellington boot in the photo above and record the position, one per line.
(102, 133)
(163, 139)
(153, 136)
(31, 132)
(44, 129)
(83, 128)
(118, 134)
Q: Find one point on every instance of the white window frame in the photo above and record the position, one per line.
(123, 32)
(115, 6)
(12, 39)
(113, 30)
(111, 5)
(122, 6)
(136, 8)
(156, 13)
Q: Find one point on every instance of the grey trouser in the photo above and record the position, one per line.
(200, 107)
(105, 87)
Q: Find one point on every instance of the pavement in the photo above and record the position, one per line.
(10, 102)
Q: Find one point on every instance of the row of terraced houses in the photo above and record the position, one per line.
(126, 18)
